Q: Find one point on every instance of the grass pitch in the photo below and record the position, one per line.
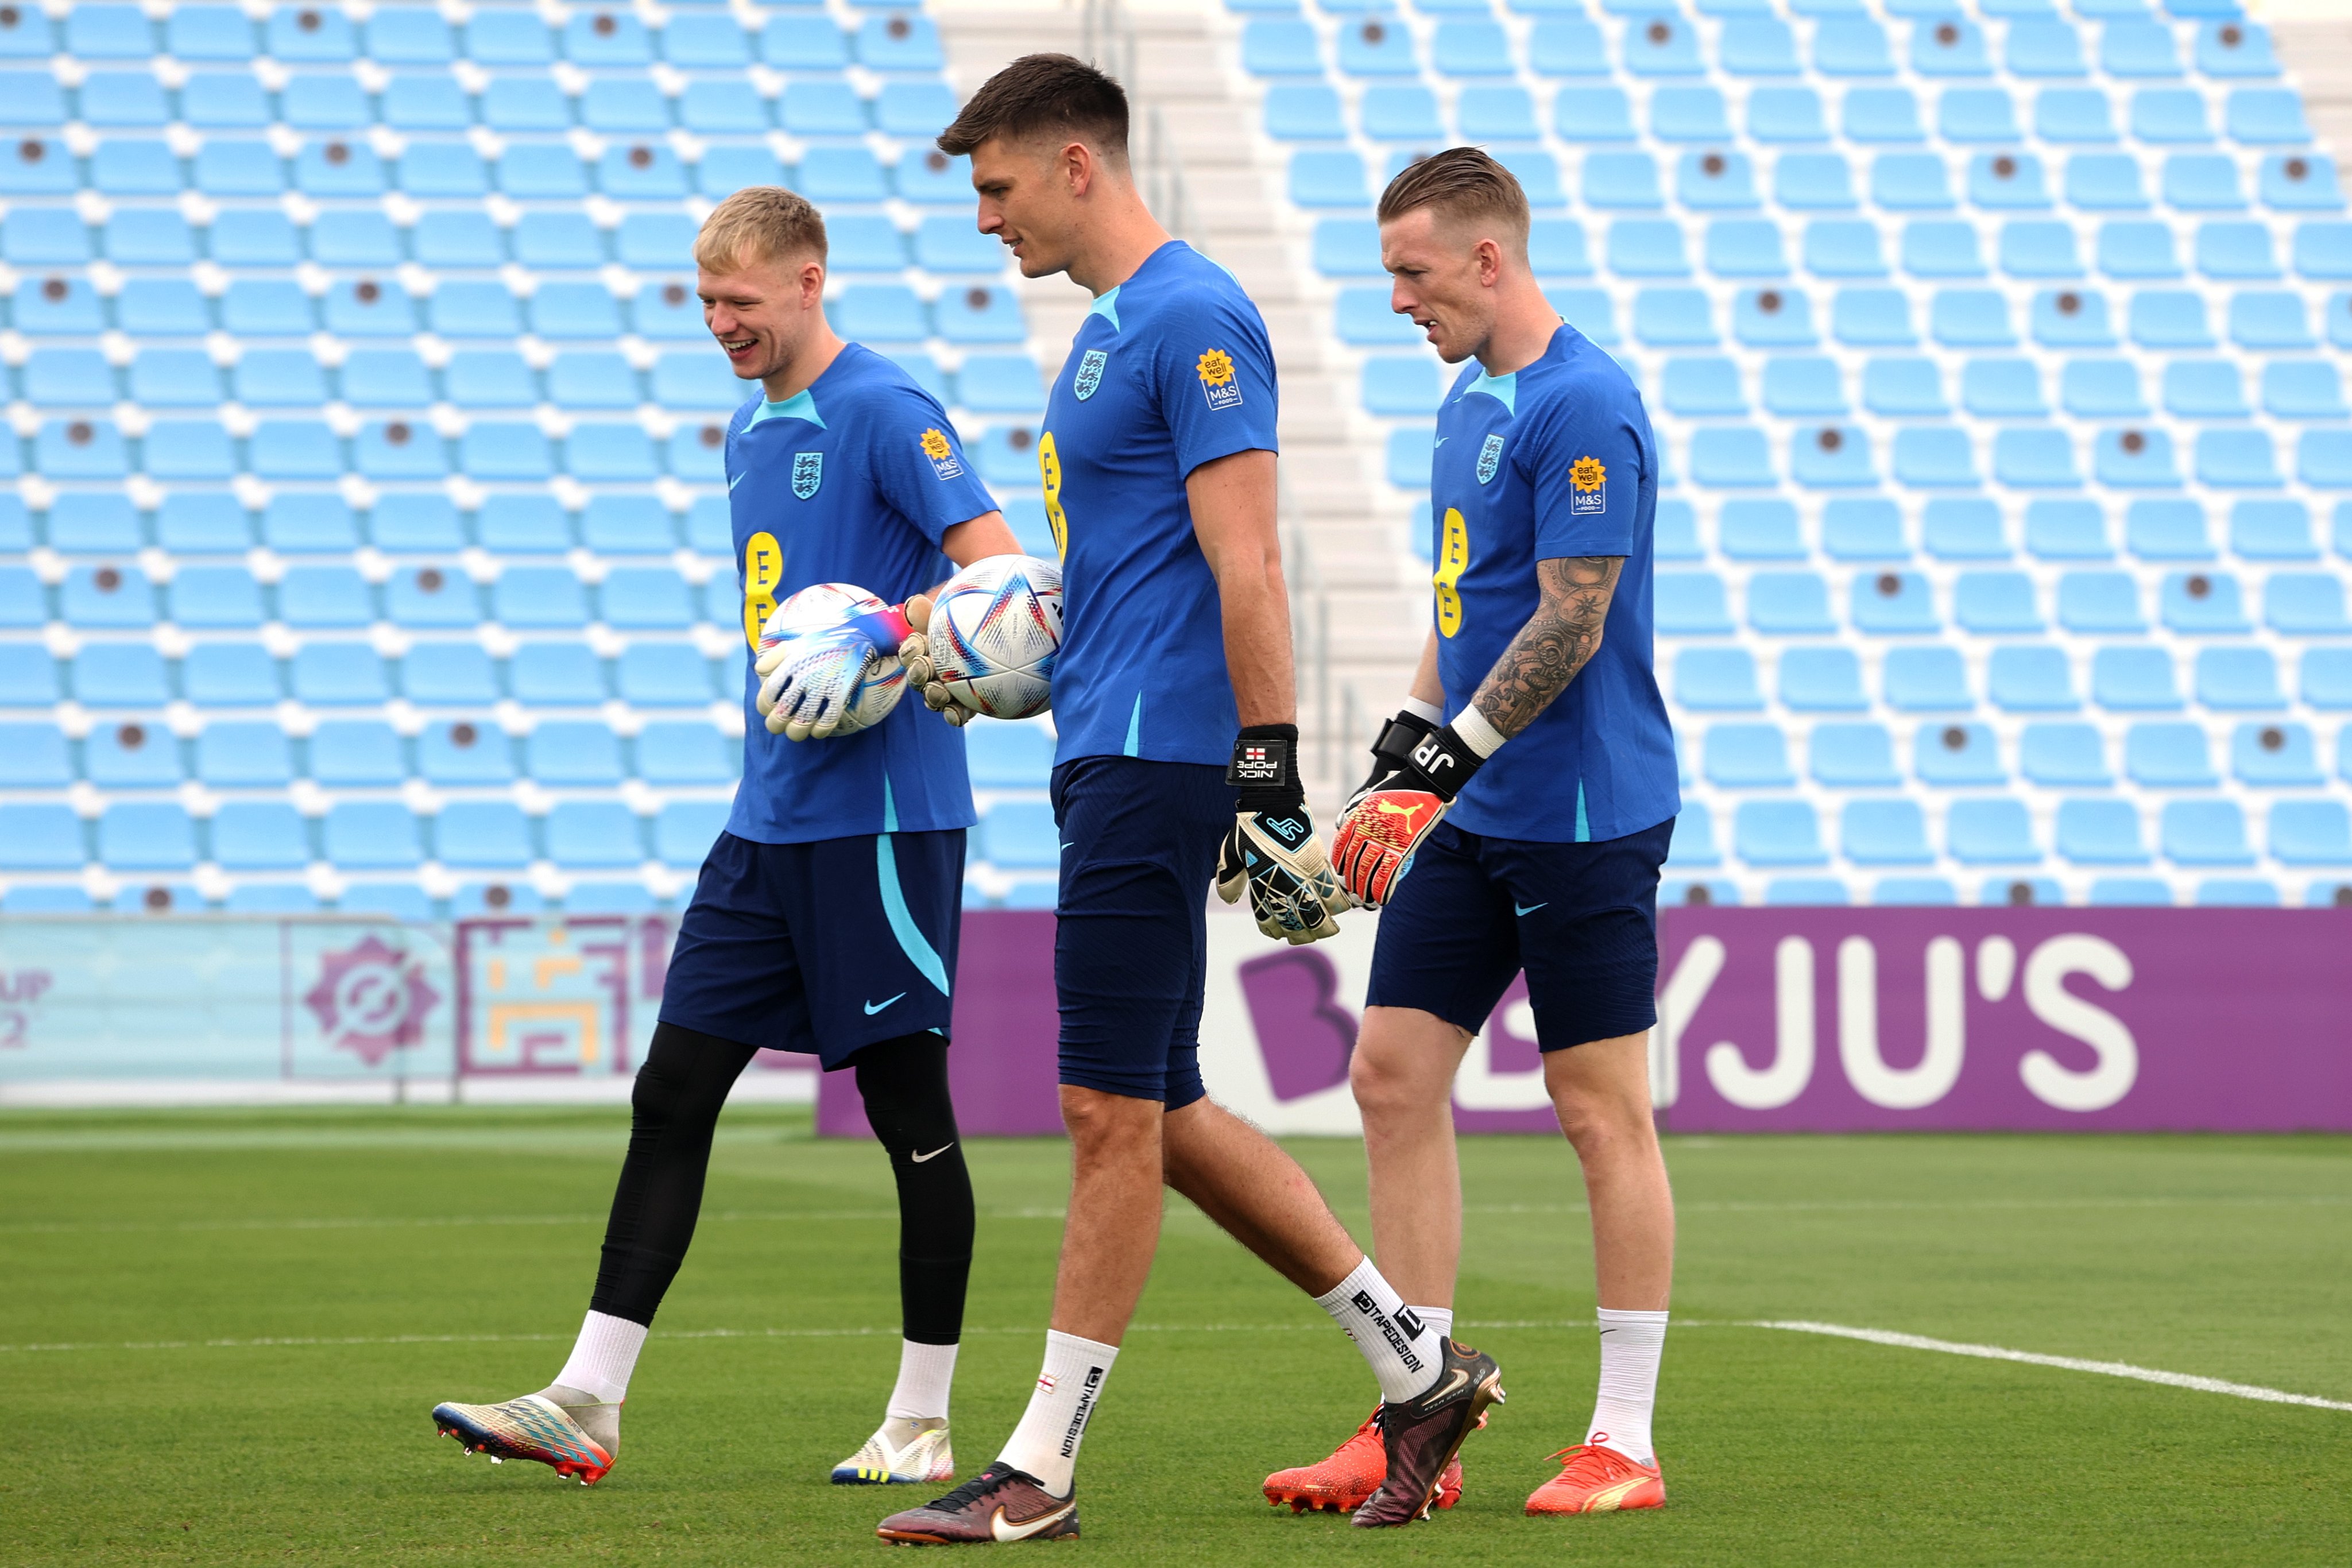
(364, 1264)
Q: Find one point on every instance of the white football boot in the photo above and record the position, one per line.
(575, 1433)
(901, 1453)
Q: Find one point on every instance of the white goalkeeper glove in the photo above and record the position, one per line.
(808, 682)
(1272, 853)
(936, 696)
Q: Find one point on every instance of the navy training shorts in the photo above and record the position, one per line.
(822, 947)
(1580, 919)
(1139, 845)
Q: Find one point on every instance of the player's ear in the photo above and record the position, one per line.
(812, 285)
(1490, 262)
(1076, 164)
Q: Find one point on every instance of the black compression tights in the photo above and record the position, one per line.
(675, 1103)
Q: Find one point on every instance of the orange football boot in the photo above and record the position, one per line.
(1341, 1483)
(1596, 1480)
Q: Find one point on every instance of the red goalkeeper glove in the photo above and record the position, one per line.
(1417, 770)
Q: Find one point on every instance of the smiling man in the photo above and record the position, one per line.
(826, 917)
(1176, 769)
(1519, 807)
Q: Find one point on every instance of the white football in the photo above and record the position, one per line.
(995, 628)
(821, 607)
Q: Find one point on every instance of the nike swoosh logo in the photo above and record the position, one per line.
(935, 1153)
(1003, 1531)
(1440, 441)
(1453, 1384)
(1530, 908)
(1069, 846)
(873, 1008)
(735, 481)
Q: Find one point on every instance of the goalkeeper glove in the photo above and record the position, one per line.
(1418, 767)
(809, 682)
(936, 696)
(1273, 851)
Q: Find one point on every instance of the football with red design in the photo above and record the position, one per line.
(995, 628)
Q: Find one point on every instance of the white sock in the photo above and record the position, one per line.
(1402, 1349)
(603, 1357)
(1630, 1345)
(924, 1373)
(1439, 1319)
(1046, 1444)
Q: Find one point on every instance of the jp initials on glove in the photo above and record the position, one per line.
(1417, 770)
(1273, 851)
(841, 678)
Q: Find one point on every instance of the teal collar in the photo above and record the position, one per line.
(1106, 305)
(800, 405)
(1503, 388)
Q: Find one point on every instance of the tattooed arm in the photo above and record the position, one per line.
(1558, 641)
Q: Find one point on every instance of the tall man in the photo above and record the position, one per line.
(1176, 768)
(1529, 790)
(826, 917)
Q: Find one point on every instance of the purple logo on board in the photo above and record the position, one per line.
(1303, 1035)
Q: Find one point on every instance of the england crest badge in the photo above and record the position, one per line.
(808, 473)
(1490, 458)
(1089, 376)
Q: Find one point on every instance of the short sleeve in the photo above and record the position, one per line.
(1216, 383)
(1586, 478)
(919, 466)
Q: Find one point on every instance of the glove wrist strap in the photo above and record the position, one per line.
(1400, 735)
(1444, 762)
(1265, 768)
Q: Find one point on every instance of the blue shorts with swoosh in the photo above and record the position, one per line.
(1580, 919)
(822, 947)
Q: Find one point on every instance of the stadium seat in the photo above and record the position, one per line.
(1853, 757)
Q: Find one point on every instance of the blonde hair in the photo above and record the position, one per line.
(1461, 183)
(760, 223)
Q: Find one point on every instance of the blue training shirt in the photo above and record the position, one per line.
(852, 481)
(1171, 370)
(1552, 462)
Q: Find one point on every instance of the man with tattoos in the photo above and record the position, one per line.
(1529, 790)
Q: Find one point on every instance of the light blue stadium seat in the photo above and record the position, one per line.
(130, 756)
(2205, 833)
(1996, 603)
(94, 522)
(1692, 604)
(1753, 528)
(1995, 831)
(683, 830)
(1926, 680)
(243, 754)
(554, 671)
(493, 900)
(673, 752)
(1885, 832)
(1409, 456)
(1818, 680)
(1730, 456)
(1694, 842)
(120, 675)
(33, 757)
(2136, 248)
(1820, 181)
(1797, 385)
(1717, 680)
(594, 833)
(2165, 755)
(356, 753)
(2311, 833)
(573, 752)
(1375, 46)
(2100, 830)
(1622, 182)
(2131, 678)
(1789, 603)
(226, 674)
(2099, 601)
(146, 835)
(1778, 833)
(1893, 603)
(2275, 755)
(482, 835)
(336, 674)
(1748, 755)
(260, 835)
(2266, 116)
(1771, 319)
(1667, 318)
(979, 315)
(1941, 247)
(1786, 115)
(216, 596)
(1853, 757)
(1692, 114)
(2031, 678)
(461, 752)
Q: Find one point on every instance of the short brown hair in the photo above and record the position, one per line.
(1462, 183)
(760, 223)
(1043, 94)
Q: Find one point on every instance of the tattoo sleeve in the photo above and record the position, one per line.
(1558, 640)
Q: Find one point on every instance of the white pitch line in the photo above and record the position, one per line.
(2063, 1363)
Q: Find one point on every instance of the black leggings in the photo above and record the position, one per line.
(676, 1104)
